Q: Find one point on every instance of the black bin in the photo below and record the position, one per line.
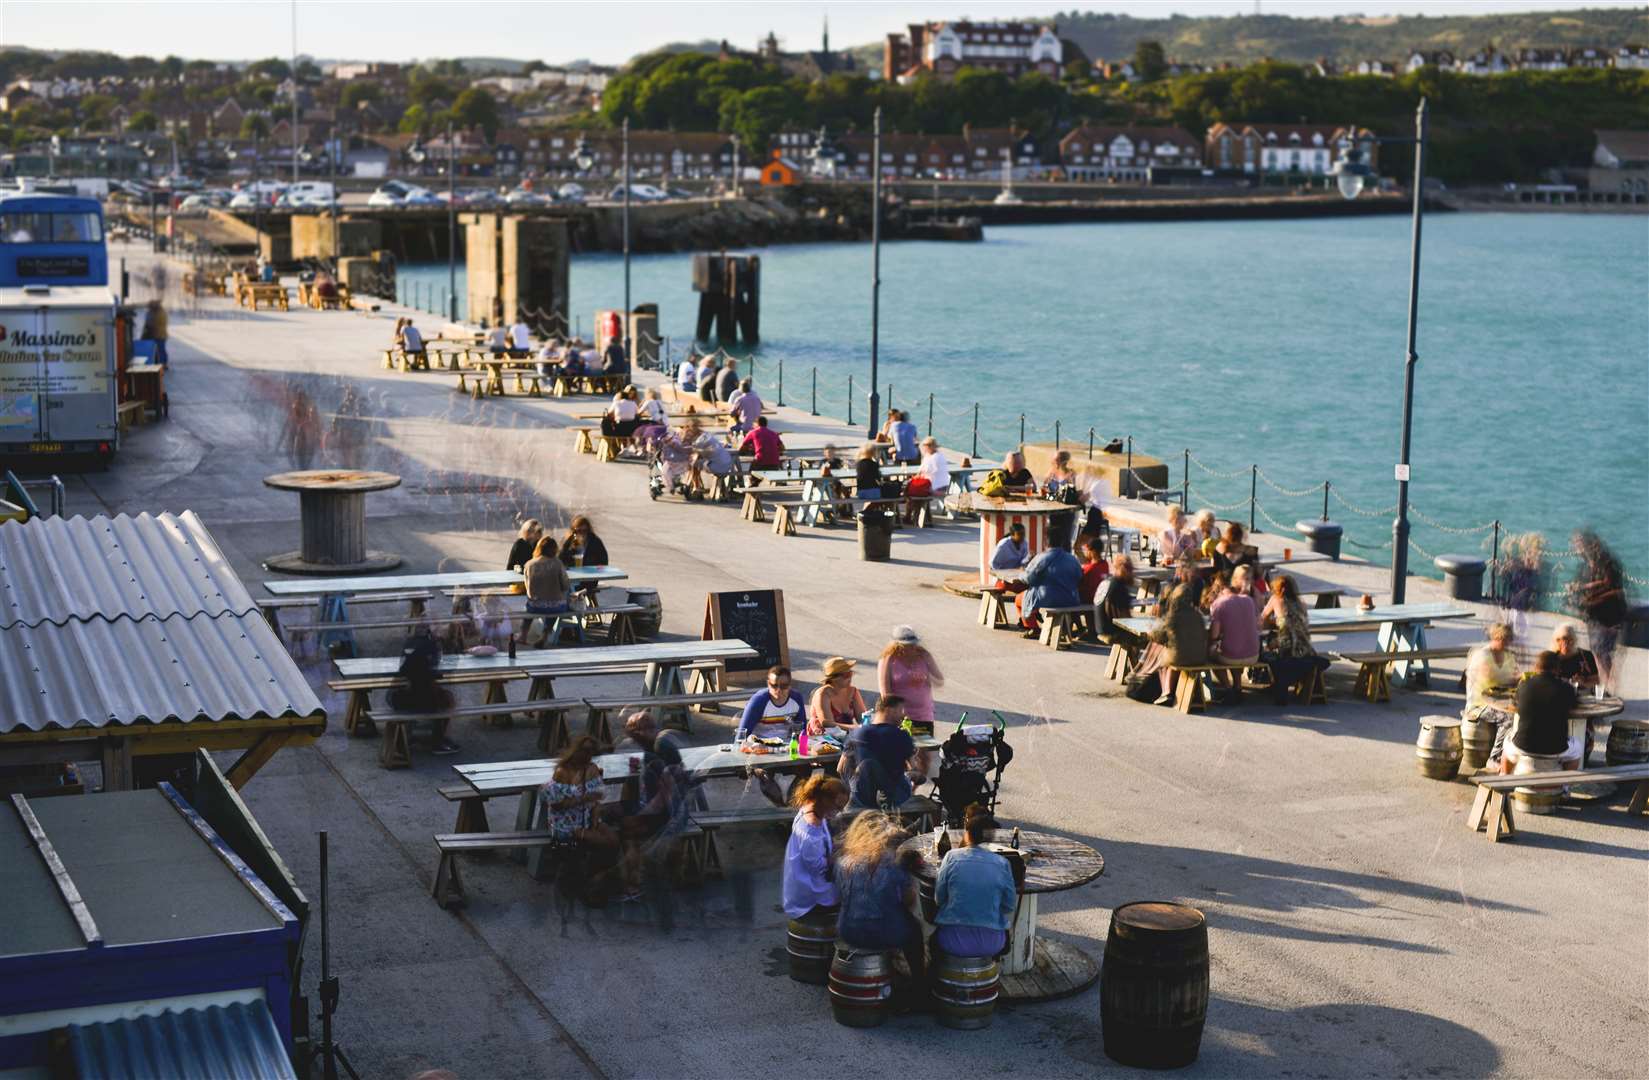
(875, 534)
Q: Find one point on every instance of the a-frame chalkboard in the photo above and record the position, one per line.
(755, 616)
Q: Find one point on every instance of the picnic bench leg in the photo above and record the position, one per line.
(449, 887)
(395, 752)
(541, 862)
(598, 727)
(709, 856)
(621, 631)
(356, 722)
(1640, 799)
(1500, 816)
(525, 811)
(495, 695)
(1480, 805)
(472, 816)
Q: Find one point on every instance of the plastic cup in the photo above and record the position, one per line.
(1288, 553)
(635, 763)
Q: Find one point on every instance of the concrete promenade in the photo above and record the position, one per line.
(1356, 927)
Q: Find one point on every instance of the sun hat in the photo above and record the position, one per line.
(905, 635)
(837, 665)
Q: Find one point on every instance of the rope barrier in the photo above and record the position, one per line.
(1343, 501)
(1367, 547)
(1215, 472)
(1203, 504)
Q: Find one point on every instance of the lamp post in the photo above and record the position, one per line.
(875, 259)
(626, 334)
(452, 233)
(1351, 172)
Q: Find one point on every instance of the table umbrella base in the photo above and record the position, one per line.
(293, 562)
(1060, 970)
(963, 585)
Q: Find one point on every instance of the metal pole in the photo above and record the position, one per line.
(1129, 471)
(1022, 432)
(1494, 562)
(1056, 436)
(452, 233)
(332, 174)
(294, 91)
(815, 391)
(627, 239)
(1090, 444)
(781, 378)
(1253, 492)
(1400, 527)
(850, 400)
(875, 261)
(930, 415)
(1185, 482)
(1325, 500)
(976, 429)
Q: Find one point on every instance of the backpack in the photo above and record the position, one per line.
(995, 484)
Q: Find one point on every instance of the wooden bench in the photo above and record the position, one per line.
(129, 411)
(1374, 671)
(705, 856)
(266, 293)
(271, 607)
(1190, 696)
(448, 888)
(395, 752)
(472, 807)
(356, 720)
(671, 705)
(1060, 625)
(1328, 596)
(1493, 804)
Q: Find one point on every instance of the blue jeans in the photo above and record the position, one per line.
(871, 779)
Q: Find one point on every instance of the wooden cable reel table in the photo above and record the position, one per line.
(1035, 968)
(332, 505)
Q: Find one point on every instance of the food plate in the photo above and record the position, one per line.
(483, 650)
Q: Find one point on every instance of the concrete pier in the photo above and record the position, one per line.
(1356, 927)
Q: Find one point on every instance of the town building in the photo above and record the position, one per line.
(1485, 61)
(1281, 149)
(1094, 152)
(1620, 163)
(1532, 59)
(944, 48)
(1423, 58)
(1382, 68)
(1635, 57)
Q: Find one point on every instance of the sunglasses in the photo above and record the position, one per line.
(779, 685)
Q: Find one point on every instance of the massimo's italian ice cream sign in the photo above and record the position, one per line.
(64, 353)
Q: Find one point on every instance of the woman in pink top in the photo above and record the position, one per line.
(1234, 623)
(1176, 539)
(908, 670)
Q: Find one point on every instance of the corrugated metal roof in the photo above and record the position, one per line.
(215, 1043)
(54, 570)
(99, 673)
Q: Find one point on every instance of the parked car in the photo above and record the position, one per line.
(520, 197)
(570, 193)
(396, 193)
(243, 200)
(196, 204)
(638, 193)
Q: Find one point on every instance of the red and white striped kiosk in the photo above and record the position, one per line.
(998, 515)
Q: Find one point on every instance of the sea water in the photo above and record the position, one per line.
(1276, 343)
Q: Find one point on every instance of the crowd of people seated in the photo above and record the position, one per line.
(1529, 710)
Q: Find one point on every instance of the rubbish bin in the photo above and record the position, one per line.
(1322, 536)
(875, 534)
(1462, 575)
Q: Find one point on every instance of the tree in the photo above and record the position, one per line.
(756, 115)
(475, 108)
(1150, 62)
(143, 120)
(272, 68)
(171, 67)
(254, 126)
(417, 120)
(357, 92)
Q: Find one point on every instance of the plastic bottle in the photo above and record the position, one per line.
(512, 646)
(794, 748)
(802, 741)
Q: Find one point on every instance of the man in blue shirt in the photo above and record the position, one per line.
(877, 755)
(903, 434)
(1054, 579)
(1011, 553)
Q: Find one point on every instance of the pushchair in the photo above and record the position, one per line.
(667, 468)
(971, 761)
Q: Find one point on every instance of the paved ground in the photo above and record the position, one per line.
(1356, 927)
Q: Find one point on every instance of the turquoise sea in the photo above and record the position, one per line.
(1270, 343)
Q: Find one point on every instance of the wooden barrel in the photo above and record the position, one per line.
(964, 991)
(1628, 742)
(811, 946)
(861, 988)
(1438, 750)
(1153, 989)
(1537, 800)
(1476, 741)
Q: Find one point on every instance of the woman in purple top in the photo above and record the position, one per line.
(1235, 623)
(809, 857)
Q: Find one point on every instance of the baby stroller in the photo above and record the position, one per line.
(967, 761)
(667, 467)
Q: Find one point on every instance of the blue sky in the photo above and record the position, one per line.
(608, 32)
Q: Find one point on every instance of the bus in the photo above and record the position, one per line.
(58, 383)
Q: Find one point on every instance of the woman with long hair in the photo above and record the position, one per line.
(1599, 593)
(876, 887)
(573, 792)
(809, 857)
(837, 702)
(975, 893)
(1291, 654)
(521, 552)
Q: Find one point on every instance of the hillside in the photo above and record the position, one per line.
(1246, 38)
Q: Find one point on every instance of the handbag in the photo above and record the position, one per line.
(994, 485)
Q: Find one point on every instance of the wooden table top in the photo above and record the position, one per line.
(547, 661)
(337, 480)
(1325, 620)
(1052, 863)
(981, 504)
(464, 579)
(704, 762)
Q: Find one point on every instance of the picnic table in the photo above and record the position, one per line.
(816, 489)
(1400, 628)
(332, 506)
(664, 660)
(722, 761)
(1035, 969)
(463, 579)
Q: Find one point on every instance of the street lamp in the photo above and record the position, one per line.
(452, 234)
(626, 136)
(582, 157)
(1351, 172)
(875, 259)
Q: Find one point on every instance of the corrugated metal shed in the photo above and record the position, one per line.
(238, 1040)
(110, 622)
(54, 570)
(99, 674)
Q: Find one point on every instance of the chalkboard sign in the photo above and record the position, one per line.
(755, 617)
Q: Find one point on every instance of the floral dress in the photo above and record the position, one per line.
(565, 823)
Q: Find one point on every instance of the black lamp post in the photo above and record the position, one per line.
(452, 233)
(626, 136)
(875, 260)
(1351, 172)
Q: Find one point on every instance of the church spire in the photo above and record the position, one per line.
(827, 32)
